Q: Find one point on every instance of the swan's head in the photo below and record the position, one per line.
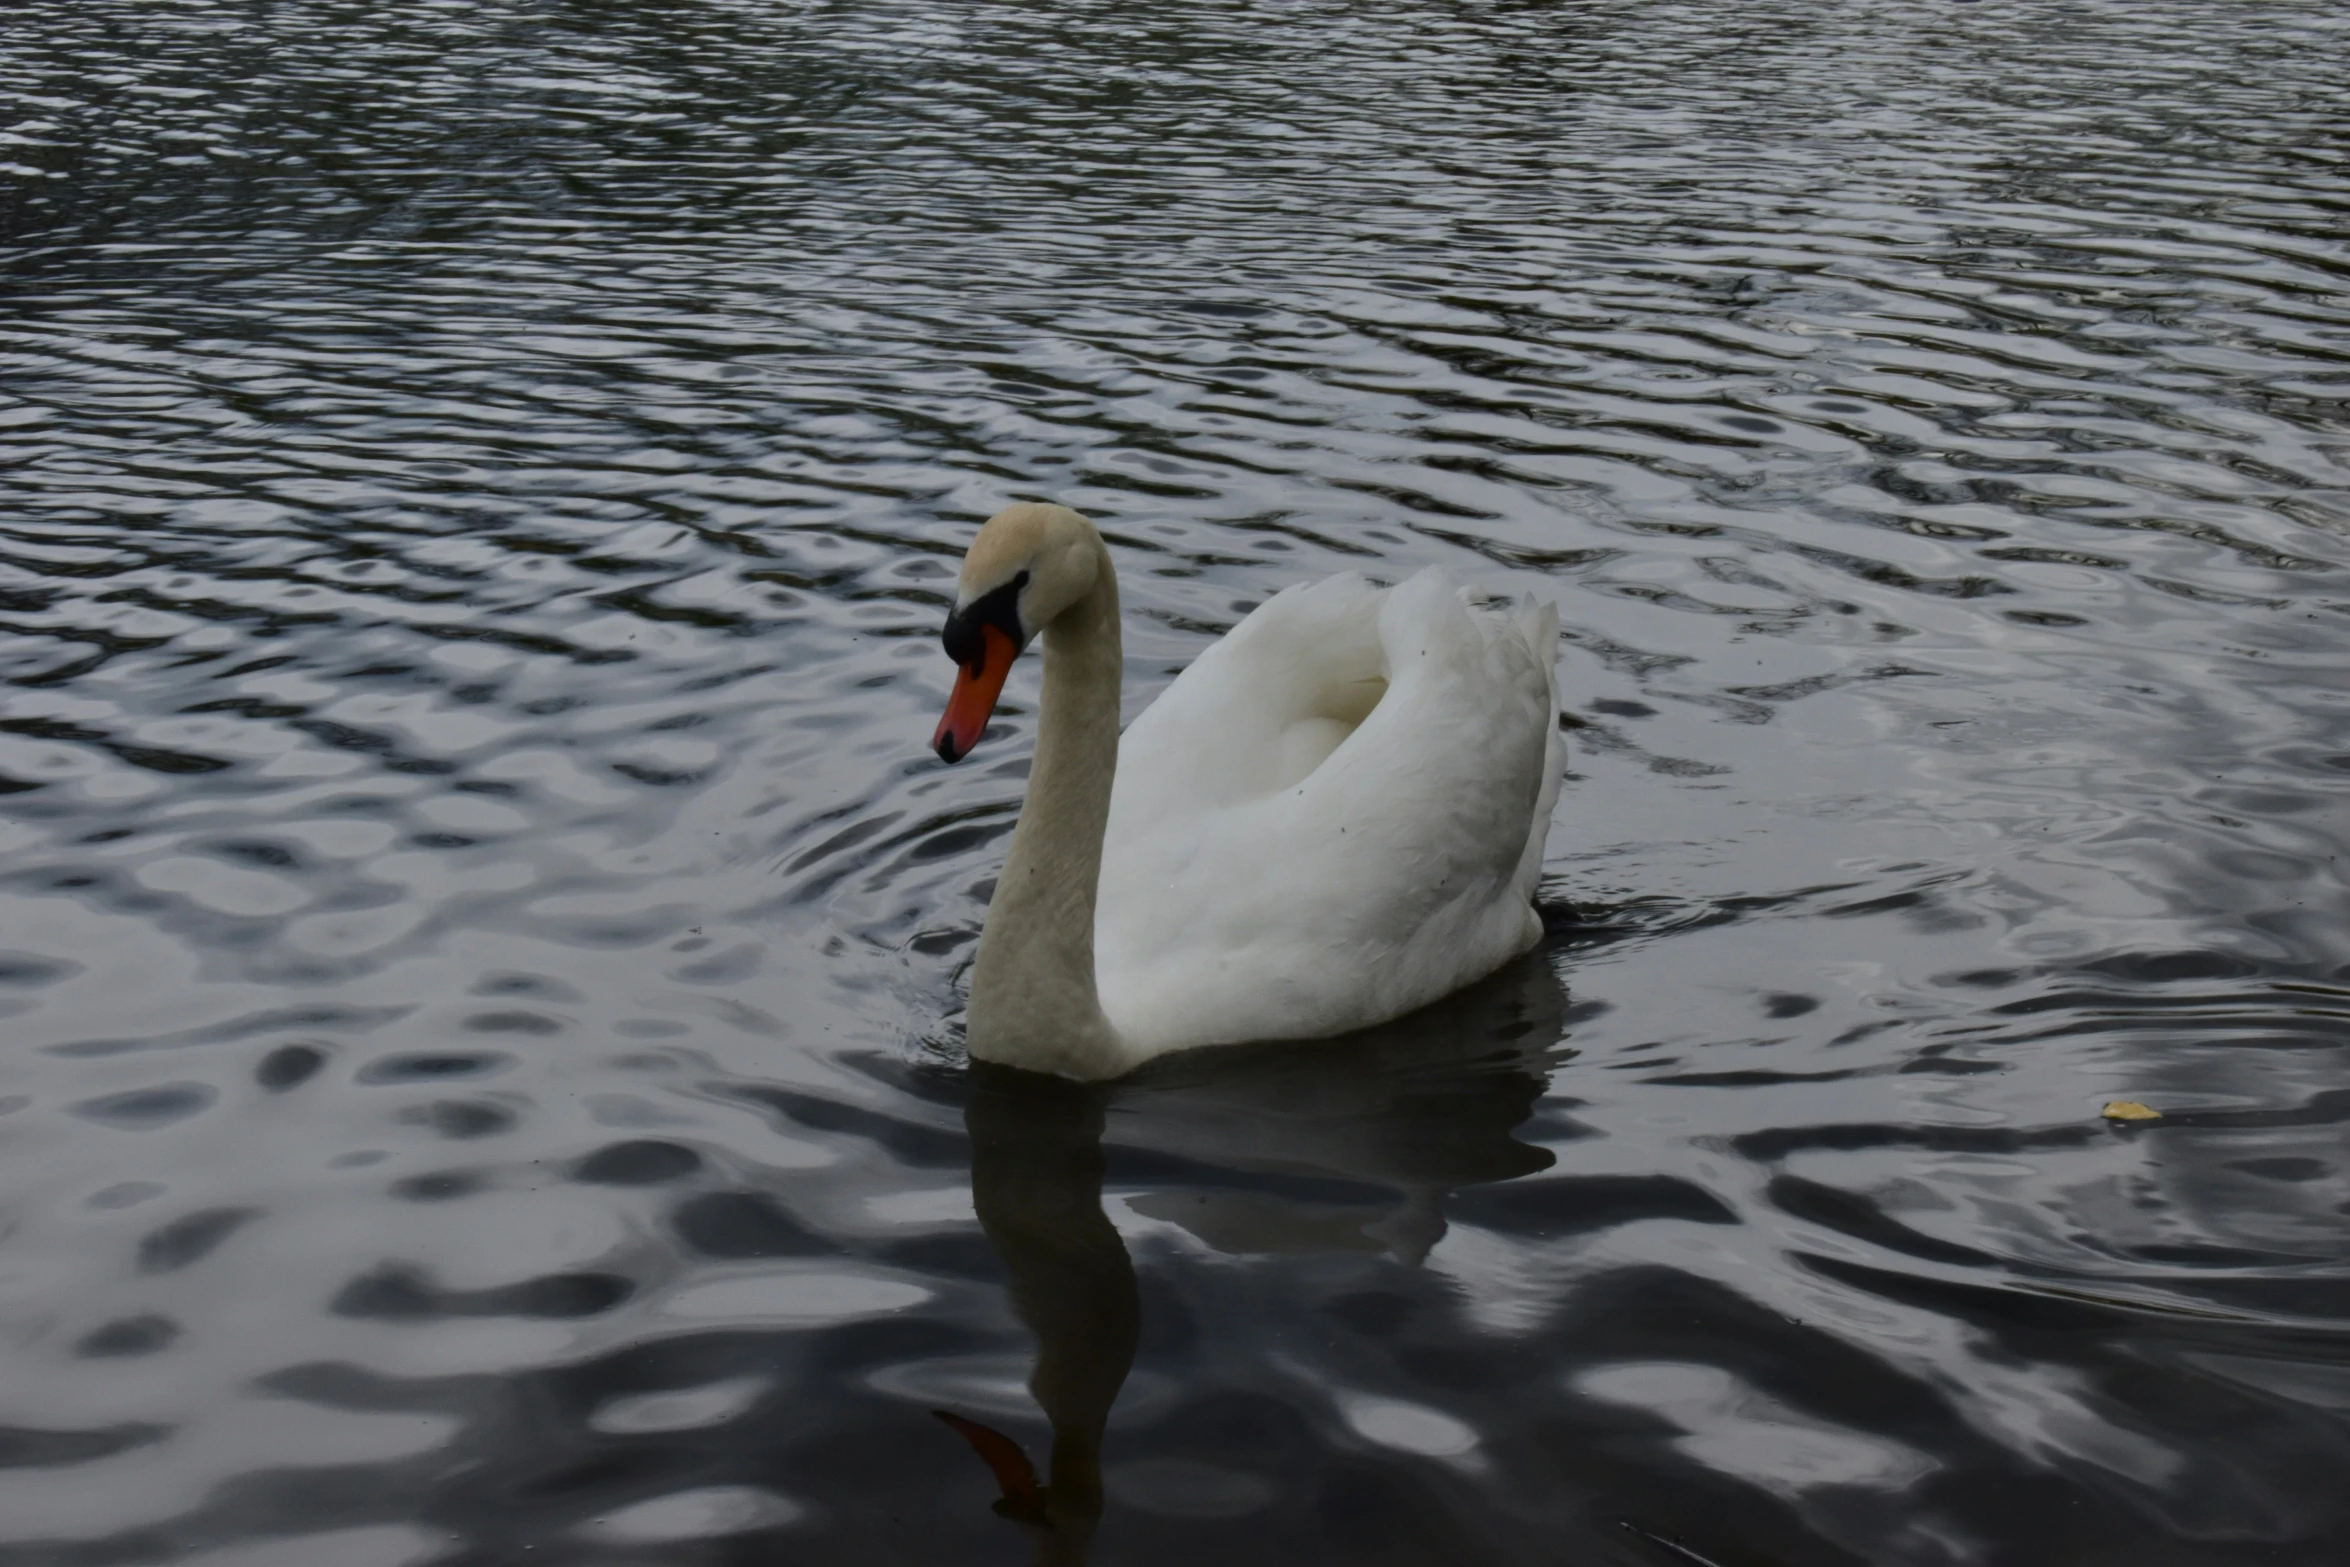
(1029, 563)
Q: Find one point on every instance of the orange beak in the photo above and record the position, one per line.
(977, 685)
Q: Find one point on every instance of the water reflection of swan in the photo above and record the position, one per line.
(1334, 816)
(1036, 1179)
(1399, 1117)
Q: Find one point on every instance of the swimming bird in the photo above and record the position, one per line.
(1333, 817)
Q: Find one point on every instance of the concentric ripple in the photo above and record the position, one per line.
(480, 929)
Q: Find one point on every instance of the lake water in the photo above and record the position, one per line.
(481, 925)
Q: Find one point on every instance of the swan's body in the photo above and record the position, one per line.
(1335, 816)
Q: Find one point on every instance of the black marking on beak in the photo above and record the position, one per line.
(998, 607)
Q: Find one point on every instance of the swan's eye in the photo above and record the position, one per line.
(998, 607)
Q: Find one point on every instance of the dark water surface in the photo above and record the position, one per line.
(480, 925)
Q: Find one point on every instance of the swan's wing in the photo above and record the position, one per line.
(1384, 878)
(1214, 737)
(1537, 625)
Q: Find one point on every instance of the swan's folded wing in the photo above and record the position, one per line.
(1214, 737)
(1384, 879)
(1537, 625)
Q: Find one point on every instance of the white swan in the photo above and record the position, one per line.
(1336, 815)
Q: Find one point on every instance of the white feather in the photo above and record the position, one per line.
(1335, 816)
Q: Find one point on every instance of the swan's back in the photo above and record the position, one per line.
(1335, 816)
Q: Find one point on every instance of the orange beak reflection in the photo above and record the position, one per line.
(977, 685)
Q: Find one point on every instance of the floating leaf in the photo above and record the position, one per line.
(2131, 1110)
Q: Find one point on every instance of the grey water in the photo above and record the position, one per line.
(481, 925)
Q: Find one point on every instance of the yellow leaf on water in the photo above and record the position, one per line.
(2130, 1110)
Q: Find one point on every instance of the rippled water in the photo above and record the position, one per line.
(479, 487)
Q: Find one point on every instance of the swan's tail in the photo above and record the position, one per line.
(1537, 625)
(1523, 638)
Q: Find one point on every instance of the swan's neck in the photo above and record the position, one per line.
(1033, 1002)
